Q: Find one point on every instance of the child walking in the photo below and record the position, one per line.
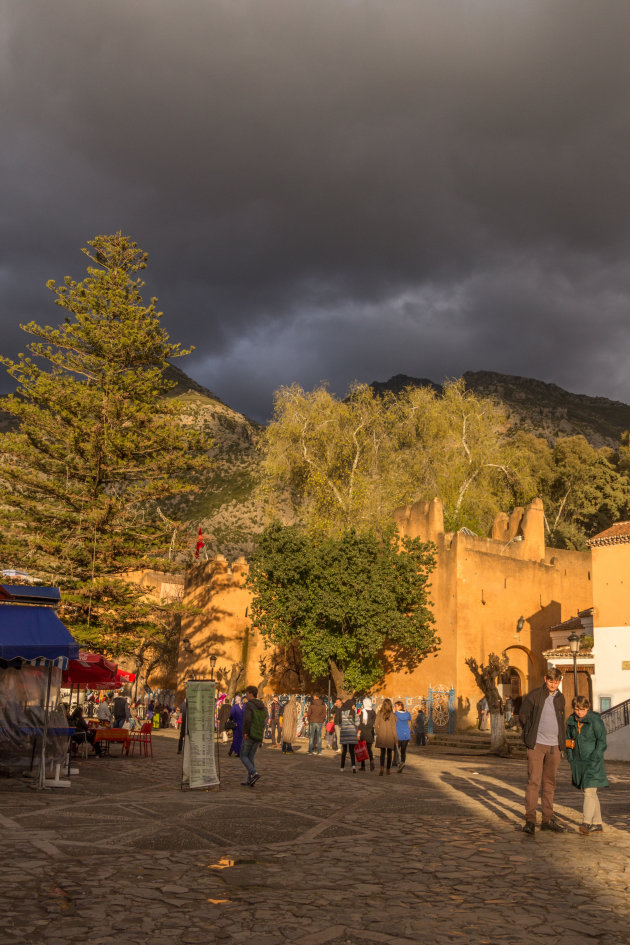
(586, 744)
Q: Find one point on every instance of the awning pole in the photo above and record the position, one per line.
(42, 773)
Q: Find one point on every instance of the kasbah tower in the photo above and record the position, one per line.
(479, 589)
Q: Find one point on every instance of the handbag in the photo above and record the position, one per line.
(361, 752)
(230, 725)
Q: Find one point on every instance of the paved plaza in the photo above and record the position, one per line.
(309, 856)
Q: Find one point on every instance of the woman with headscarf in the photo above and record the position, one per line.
(348, 733)
(386, 735)
(224, 707)
(236, 714)
(367, 717)
(289, 724)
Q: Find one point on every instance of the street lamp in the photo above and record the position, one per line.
(213, 660)
(520, 623)
(574, 646)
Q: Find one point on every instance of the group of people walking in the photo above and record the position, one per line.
(389, 729)
(359, 732)
(356, 732)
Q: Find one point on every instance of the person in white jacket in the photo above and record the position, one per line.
(103, 713)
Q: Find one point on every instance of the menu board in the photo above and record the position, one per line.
(200, 766)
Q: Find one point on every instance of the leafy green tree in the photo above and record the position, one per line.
(356, 604)
(584, 491)
(97, 452)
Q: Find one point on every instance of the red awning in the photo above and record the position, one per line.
(123, 677)
(91, 670)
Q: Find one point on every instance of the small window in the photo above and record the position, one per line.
(604, 703)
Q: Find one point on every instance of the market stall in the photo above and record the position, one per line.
(35, 648)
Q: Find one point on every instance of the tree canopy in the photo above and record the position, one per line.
(332, 464)
(584, 491)
(356, 604)
(335, 464)
(97, 450)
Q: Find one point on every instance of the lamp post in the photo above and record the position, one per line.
(213, 660)
(574, 646)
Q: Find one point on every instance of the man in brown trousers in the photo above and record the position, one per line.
(542, 719)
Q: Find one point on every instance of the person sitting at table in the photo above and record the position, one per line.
(82, 731)
(103, 713)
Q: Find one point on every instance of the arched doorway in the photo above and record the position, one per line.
(522, 672)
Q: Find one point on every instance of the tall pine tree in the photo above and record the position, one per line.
(96, 452)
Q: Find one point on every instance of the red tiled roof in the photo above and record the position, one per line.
(563, 652)
(573, 623)
(617, 534)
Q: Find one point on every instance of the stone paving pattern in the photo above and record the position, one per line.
(309, 856)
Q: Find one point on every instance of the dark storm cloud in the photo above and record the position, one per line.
(332, 189)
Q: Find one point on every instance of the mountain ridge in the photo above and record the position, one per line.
(538, 406)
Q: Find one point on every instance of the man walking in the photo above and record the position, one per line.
(316, 716)
(254, 721)
(275, 711)
(542, 719)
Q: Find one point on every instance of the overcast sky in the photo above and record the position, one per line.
(331, 189)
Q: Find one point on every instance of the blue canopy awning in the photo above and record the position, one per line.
(22, 594)
(34, 633)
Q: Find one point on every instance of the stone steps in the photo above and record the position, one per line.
(477, 742)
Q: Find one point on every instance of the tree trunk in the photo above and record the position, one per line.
(236, 680)
(486, 677)
(498, 739)
(338, 677)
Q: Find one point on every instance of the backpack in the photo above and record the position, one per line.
(257, 727)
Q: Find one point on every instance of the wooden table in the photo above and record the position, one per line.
(109, 735)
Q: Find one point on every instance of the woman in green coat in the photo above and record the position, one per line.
(586, 744)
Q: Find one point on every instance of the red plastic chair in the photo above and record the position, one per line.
(143, 740)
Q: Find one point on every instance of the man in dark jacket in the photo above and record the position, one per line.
(121, 711)
(542, 720)
(316, 716)
(275, 711)
(254, 721)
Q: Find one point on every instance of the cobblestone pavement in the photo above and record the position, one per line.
(309, 856)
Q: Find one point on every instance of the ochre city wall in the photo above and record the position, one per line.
(611, 570)
(480, 588)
